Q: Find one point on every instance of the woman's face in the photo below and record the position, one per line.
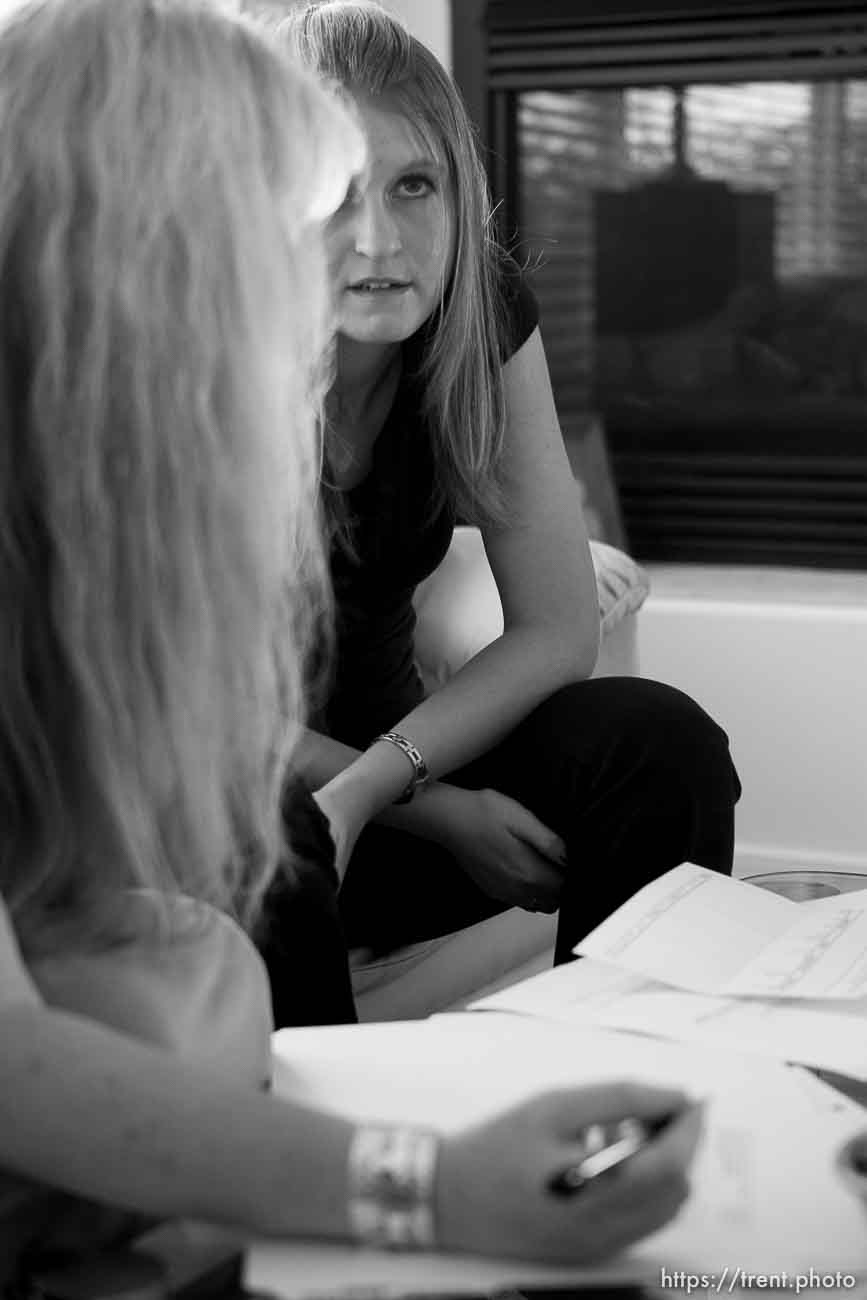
(389, 245)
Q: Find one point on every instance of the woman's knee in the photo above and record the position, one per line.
(665, 778)
(634, 725)
(670, 731)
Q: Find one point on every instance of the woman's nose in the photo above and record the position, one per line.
(376, 231)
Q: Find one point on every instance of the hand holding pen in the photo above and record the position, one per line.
(571, 1176)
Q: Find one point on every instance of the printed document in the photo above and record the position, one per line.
(699, 930)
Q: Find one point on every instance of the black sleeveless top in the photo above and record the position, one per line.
(399, 539)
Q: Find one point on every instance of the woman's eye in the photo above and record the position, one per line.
(415, 187)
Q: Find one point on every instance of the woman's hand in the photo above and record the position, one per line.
(492, 1189)
(506, 850)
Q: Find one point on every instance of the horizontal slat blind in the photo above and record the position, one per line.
(754, 137)
(792, 153)
(798, 510)
(568, 46)
(516, 15)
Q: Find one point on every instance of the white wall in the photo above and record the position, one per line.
(430, 21)
(778, 658)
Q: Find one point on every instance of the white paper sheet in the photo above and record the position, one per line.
(590, 992)
(766, 1195)
(696, 929)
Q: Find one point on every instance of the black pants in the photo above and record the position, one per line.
(633, 776)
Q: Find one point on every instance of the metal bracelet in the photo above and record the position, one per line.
(420, 773)
(391, 1177)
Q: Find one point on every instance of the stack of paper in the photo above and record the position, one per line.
(766, 1195)
(698, 956)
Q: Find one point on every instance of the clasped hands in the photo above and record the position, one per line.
(509, 853)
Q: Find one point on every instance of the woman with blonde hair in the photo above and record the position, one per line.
(163, 176)
(518, 782)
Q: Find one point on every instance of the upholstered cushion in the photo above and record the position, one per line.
(622, 584)
(459, 612)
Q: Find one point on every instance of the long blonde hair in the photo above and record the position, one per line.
(366, 50)
(160, 163)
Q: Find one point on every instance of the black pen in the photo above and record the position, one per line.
(632, 1135)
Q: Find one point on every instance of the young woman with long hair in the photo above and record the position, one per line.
(549, 791)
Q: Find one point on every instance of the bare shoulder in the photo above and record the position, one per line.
(541, 560)
(534, 450)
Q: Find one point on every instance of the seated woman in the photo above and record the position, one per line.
(163, 176)
(560, 792)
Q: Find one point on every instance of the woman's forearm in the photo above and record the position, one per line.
(97, 1114)
(321, 758)
(480, 705)
(491, 694)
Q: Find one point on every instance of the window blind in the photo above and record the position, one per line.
(764, 457)
(572, 43)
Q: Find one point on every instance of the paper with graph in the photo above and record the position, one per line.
(699, 930)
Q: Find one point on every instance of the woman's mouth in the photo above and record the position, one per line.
(374, 286)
